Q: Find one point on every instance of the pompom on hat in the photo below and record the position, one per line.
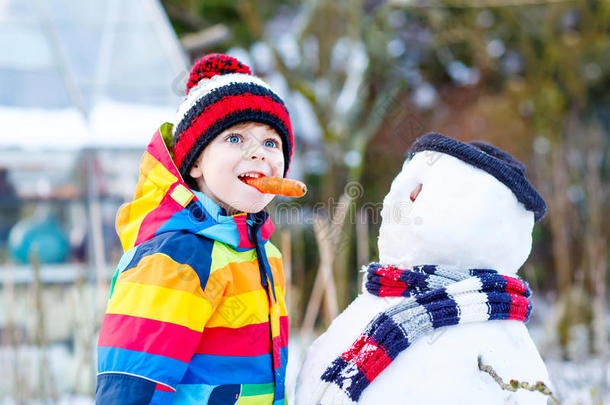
(494, 161)
(221, 92)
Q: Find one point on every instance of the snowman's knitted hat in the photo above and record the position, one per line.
(494, 161)
(221, 92)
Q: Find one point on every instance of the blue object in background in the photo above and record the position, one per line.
(43, 235)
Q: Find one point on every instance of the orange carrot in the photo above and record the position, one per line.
(274, 185)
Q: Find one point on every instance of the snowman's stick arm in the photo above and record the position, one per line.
(514, 385)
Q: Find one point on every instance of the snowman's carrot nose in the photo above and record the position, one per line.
(274, 185)
(415, 192)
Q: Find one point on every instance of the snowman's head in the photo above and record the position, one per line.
(461, 206)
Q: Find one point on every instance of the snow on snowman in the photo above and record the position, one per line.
(444, 301)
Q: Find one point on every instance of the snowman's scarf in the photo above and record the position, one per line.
(435, 297)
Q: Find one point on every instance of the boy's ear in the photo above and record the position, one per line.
(196, 171)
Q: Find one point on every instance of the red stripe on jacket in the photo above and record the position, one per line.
(249, 340)
(148, 336)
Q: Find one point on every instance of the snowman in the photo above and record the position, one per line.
(445, 302)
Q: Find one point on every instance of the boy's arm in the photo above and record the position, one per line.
(154, 320)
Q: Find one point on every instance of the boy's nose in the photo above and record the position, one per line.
(257, 152)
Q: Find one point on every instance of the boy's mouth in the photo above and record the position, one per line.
(248, 175)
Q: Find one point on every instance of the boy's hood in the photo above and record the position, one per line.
(163, 202)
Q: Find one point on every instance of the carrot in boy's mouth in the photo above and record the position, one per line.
(275, 185)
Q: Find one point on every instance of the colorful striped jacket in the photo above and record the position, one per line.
(196, 311)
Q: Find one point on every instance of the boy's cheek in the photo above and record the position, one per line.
(278, 164)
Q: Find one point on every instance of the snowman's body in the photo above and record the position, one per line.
(463, 218)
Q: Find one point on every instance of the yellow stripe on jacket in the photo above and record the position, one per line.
(161, 304)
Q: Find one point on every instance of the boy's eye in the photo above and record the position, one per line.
(234, 138)
(271, 143)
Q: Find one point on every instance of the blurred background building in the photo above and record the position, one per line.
(84, 86)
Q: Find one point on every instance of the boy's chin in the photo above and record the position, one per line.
(251, 206)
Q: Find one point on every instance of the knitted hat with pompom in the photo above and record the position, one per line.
(221, 92)
(494, 161)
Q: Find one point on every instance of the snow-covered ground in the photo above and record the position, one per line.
(584, 379)
(579, 382)
(57, 375)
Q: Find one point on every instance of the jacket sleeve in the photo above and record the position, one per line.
(154, 320)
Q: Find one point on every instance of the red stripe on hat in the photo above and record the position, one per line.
(148, 336)
(217, 111)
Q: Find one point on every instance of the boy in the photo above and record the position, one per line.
(196, 311)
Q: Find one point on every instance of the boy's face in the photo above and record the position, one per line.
(246, 148)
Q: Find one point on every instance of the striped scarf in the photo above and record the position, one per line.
(435, 297)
